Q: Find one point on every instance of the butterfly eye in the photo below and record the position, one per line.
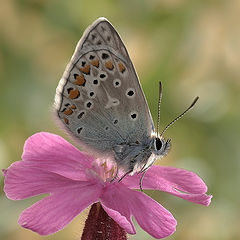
(158, 144)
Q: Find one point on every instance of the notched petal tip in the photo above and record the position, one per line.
(208, 201)
(154, 219)
(4, 172)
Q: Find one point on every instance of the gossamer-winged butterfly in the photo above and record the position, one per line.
(100, 101)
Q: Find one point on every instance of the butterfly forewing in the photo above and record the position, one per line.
(99, 98)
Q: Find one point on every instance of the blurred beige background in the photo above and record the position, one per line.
(193, 47)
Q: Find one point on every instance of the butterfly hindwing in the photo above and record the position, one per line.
(99, 98)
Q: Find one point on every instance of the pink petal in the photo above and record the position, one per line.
(56, 155)
(23, 180)
(120, 213)
(176, 181)
(54, 212)
(4, 171)
(150, 215)
(123, 221)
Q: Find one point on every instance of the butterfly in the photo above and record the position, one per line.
(100, 102)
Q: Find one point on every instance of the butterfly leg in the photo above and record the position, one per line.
(131, 168)
(141, 180)
(142, 169)
(128, 172)
(115, 176)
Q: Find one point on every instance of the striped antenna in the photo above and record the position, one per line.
(178, 117)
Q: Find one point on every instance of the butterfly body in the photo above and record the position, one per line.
(99, 100)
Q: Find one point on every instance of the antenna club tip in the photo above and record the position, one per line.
(194, 101)
(160, 84)
(178, 117)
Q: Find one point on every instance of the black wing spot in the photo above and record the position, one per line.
(99, 42)
(130, 93)
(105, 56)
(69, 90)
(91, 57)
(93, 36)
(91, 94)
(89, 105)
(81, 115)
(115, 121)
(108, 38)
(102, 75)
(83, 63)
(133, 116)
(95, 82)
(116, 83)
(79, 130)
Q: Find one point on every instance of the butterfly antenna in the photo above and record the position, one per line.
(178, 117)
(159, 104)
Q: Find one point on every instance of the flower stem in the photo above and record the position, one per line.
(99, 226)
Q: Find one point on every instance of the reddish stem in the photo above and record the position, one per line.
(99, 226)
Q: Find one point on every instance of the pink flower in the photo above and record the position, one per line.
(75, 180)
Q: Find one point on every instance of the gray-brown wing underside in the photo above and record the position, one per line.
(99, 99)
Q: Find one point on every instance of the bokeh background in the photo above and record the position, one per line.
(192, 46)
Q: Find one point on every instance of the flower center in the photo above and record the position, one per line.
(106, 170)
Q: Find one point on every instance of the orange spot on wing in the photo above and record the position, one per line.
(95, 63)
(66, 120)
(73, 106)
(68, 111)
(74, 93)
(80, 80)
(121, 67)
(109, 65)
(85, 69)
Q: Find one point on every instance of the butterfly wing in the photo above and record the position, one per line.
(99, 99)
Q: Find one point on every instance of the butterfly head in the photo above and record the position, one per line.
(161, 146)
